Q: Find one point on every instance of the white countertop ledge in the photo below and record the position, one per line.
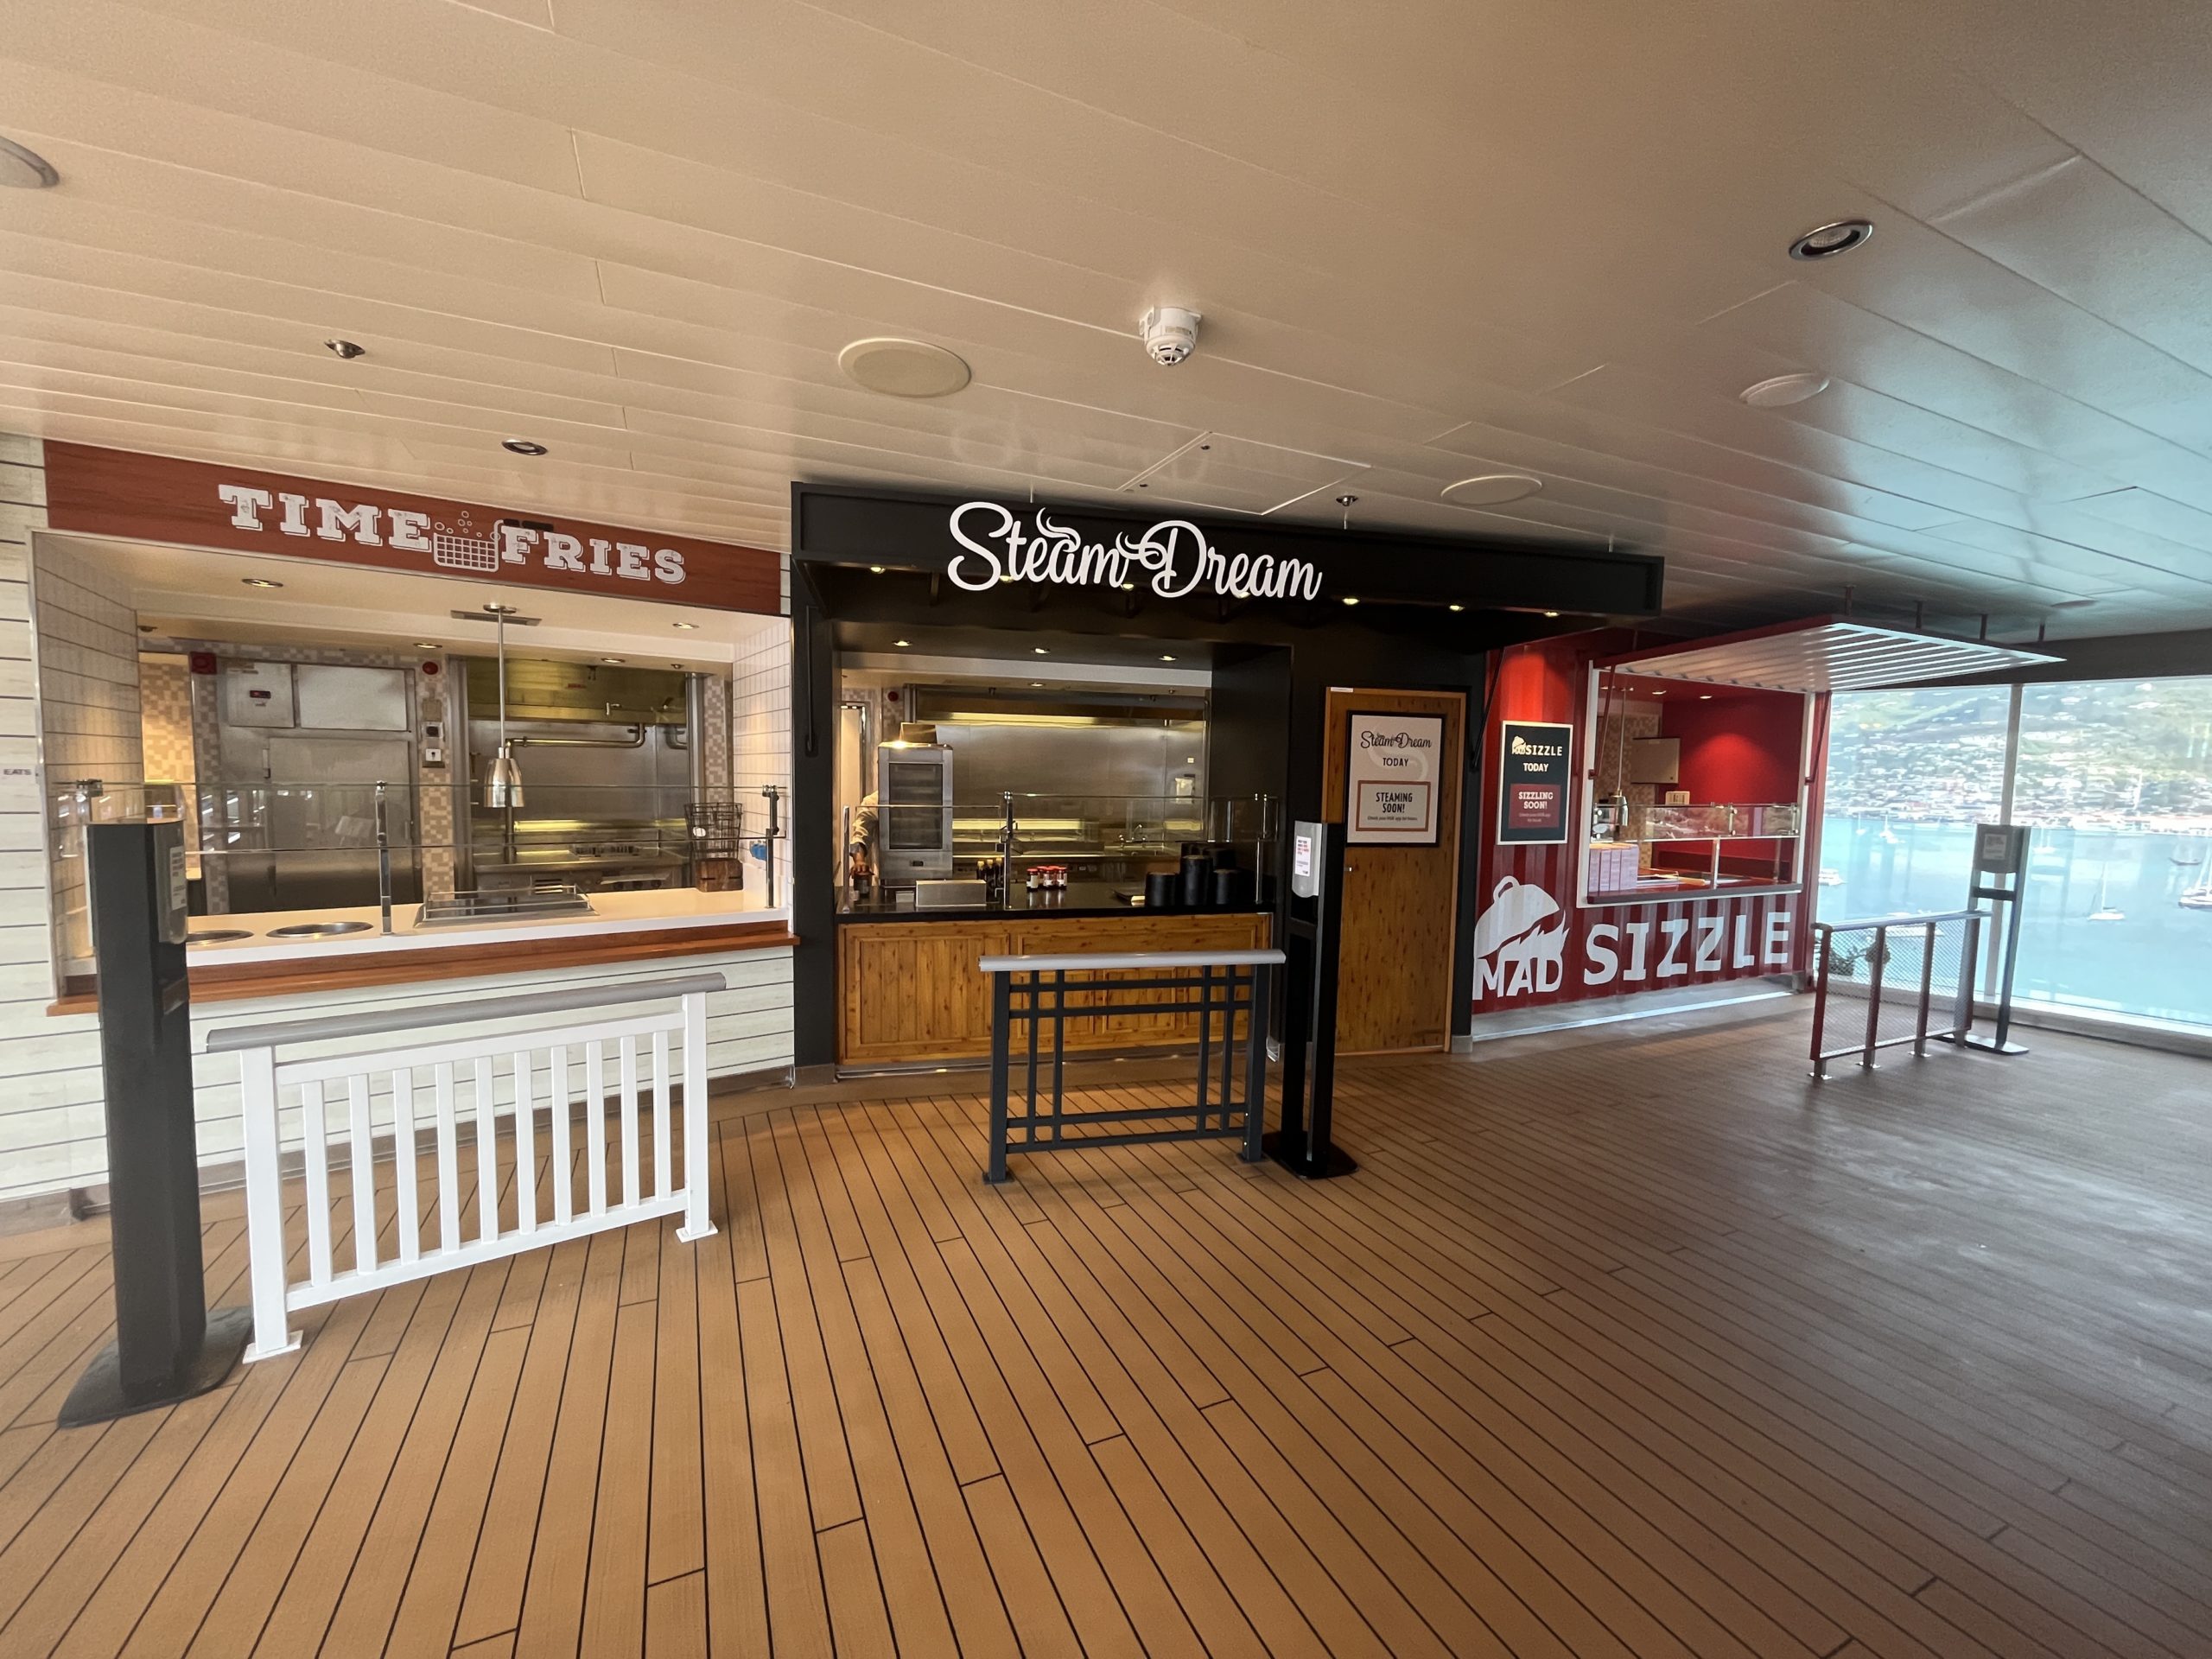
(611, 912)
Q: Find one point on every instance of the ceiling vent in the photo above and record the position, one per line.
(1228, 474)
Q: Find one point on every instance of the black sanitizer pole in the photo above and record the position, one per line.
(1309, 1026)
(2000, 876)
(168, 1347)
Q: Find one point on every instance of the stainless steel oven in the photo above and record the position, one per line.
(914, 796)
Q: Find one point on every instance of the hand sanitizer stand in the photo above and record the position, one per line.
(2000, 877)
(1309, 1021)
(168, 1347)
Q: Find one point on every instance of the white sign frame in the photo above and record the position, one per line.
(1389, 755)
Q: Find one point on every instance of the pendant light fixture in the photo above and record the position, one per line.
(502, 778)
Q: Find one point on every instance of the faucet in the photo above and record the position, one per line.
(1009, 836)
(383, 861)
(774, 794)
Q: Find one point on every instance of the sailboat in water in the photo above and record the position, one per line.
(2106, 910)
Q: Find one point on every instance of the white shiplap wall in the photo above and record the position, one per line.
(52, 1126)
(88, 713)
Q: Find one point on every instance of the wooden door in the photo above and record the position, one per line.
(1393, 976)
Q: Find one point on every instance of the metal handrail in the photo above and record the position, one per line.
(1852, 924)
(1229, 983)
(1073, 960)
(1824, 937)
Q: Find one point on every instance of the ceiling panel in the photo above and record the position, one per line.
(1827, 655)
(1429, 240)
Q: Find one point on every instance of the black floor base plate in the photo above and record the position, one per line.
(1990, 1045)
(1291, 1154)
(98, 1395)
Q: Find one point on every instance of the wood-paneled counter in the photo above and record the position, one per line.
(910, 990)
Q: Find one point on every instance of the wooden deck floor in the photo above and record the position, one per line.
(1628, 1344)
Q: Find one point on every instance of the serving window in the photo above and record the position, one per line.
(327, 736)
(1692, 788)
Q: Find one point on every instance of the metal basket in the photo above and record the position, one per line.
(715, 839)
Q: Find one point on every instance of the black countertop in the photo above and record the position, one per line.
(1077, 899)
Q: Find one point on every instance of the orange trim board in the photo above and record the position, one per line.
(244, 982)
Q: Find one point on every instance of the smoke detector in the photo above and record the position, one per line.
(1170, 334)
(26, 170)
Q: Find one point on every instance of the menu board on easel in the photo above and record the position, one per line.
(1391, 780)
(1535, 767)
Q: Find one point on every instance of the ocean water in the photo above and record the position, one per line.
(2152, 958)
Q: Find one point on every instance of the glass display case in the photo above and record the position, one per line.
(1718, 845)
(1094, 839)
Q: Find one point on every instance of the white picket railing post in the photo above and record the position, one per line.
(698, 1223)
(407, 1204)
(264, 1206)
(265, 1080)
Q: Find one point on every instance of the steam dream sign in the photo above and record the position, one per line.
(1173, 558)
(1390, 782)
(1536, 783)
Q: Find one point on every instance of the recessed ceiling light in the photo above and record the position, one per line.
(1040, 650)
(1658, 694)
(25, 170)
(1491, 489)
(1551, 614)
(1036, 685)
(901, 643)
(1128, 586)
(903, 368)
(428, 644)
(259, 582)
(1826, 241)
(1705, 696)
(616, 661)
(1784, 390)
(1165, 657)
(1352, 599)
(1458, 608)
(875, 569)
(521, 447)
(344, 348)
(688, 627)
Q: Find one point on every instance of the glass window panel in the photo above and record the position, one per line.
(1909, 774)
(2116, 778)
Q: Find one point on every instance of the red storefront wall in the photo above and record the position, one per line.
(1535, 944)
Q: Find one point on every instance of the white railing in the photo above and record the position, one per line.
(529, 1081)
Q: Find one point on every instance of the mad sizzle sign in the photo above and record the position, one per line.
(1534, 785)
(1528, 945)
